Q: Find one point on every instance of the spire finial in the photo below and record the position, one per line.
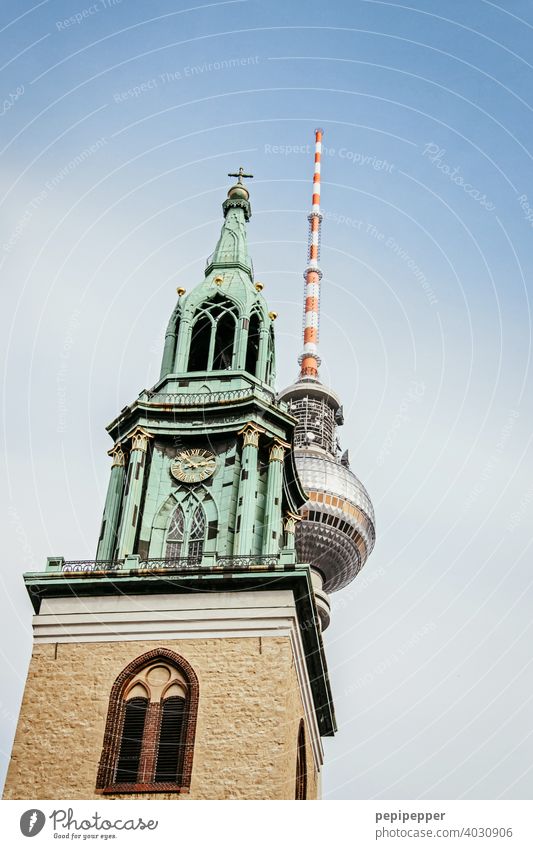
(238, 195)
(240, 174)
(309, 359)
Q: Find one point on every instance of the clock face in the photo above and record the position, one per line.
(193, 465)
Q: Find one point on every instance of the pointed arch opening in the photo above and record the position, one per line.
(149, 740)
(131, 740)
(271, 358)
(252, 348)
(196, 534)
(301, 765)
(213, 335)
(169, 751)
(200, 343)
(224, 341)
(176, 532)
(186, 531)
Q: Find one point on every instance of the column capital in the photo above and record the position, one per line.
(277, 450)
(289, 522)
(250, 433)
(118, 456)
(139, 439)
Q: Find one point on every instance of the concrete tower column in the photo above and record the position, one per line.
(246, 503)
(133, 491)
(108, 537)
(272, 541)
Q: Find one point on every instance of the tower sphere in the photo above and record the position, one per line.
(337, 533)
(239, 190)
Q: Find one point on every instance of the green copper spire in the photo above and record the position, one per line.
(232, 249)
(223, 324)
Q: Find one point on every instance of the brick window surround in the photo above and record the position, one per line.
(105, 782)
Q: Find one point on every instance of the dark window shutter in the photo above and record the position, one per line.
(301, 766)
(131, 743)
(170, 750)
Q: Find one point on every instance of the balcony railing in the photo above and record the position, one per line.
(202, 399)
(87, 565)
(177, 564)
(245, 562)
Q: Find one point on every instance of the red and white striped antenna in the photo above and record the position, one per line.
(309, 360)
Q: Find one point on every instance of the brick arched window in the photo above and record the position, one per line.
(150, 729)
(301, 765)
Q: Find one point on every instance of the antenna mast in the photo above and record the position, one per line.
(309, 360)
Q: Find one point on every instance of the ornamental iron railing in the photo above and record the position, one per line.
(199, 399)
(171, 564)
(177, 563)
(90, 565)
(246, 561)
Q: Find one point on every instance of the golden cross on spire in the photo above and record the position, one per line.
(240, 174)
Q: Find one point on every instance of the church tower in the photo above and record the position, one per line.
(186, 660)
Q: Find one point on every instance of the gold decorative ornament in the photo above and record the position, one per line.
(272, 315)
(218, 280)
(259, 287)
(181, 291)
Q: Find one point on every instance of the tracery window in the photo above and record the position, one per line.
(149, 737)
(186, 533)
(213, 336)
(175, 534)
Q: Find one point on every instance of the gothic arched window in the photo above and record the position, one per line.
(271, 358)
(200, 343)
(301, 765)
(252, 349)
(224, 341)
(186, 532)
(175, 534)
(196, 534)
(151, 723)
(213, 336)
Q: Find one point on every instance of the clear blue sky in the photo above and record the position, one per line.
(116, 133)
